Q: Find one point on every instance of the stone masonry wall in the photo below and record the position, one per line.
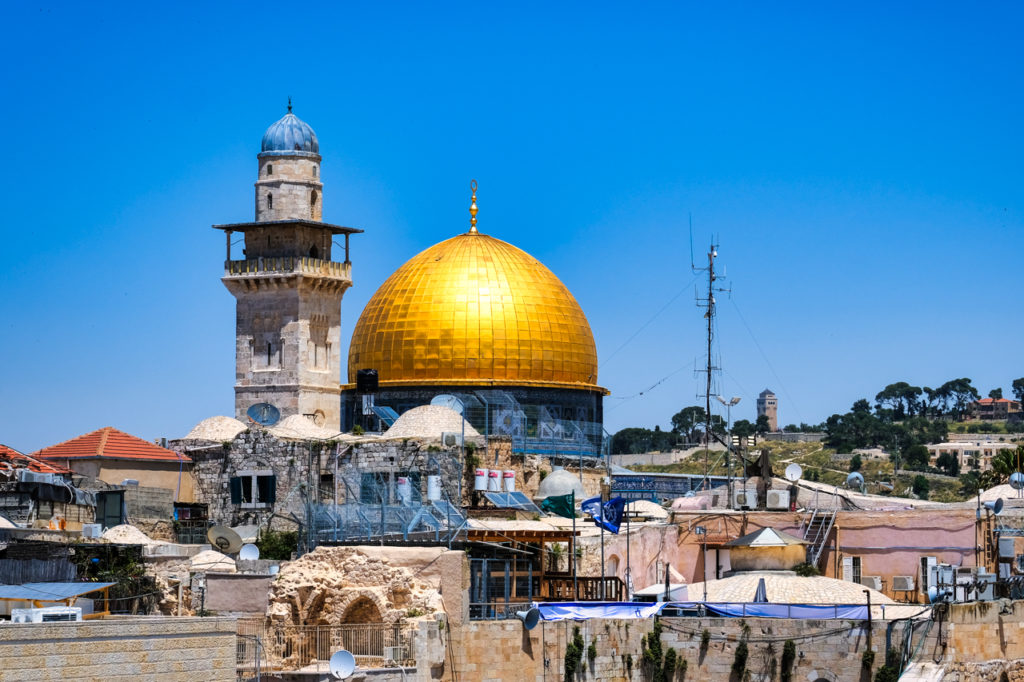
(826, 649)
(120, 649)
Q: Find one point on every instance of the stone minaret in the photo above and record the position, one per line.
(287, 287)
(768, 405)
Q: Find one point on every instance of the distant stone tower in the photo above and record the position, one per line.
(768, 405)
(287, 288)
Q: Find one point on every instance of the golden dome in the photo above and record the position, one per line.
(474, 310)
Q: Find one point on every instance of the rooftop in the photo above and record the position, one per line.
(109, 443)
(20, 460)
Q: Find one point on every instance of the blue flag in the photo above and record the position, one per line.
(608, 515)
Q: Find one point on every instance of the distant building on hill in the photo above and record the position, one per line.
(995, 408)
(768, 405)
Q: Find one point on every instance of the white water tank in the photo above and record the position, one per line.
(480, 480)
(509, 478)
(494, 481)
(404, 489)
(433, 488)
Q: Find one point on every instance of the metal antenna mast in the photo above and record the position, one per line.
(708, 303)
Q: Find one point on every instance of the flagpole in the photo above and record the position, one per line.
(602, 552)
(629, 570)
(575, 586)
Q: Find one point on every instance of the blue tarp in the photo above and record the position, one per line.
(578, 611)
(636, 610)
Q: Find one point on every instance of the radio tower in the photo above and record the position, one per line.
(708, 304)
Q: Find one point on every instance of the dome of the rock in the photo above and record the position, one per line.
(474, 310)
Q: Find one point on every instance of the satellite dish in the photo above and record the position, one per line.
(995, 507)
(249, 552)
(342, 664)
(264, 413)
(224, 539)
(447, 400)
(274, 570)
(1017, 480)
(855, 480)
(794, 472)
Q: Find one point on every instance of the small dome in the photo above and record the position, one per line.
(560, 482)
(290, 135)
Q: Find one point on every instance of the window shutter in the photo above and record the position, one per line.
(268, 489)
(848, 568)
(235, 484)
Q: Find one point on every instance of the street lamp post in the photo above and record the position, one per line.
(728, 447)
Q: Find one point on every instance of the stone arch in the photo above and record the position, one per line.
(821, 676)
(363, 606)
(612, 565)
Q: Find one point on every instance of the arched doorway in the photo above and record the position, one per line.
(362, 610)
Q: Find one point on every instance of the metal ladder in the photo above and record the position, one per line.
(817, 528)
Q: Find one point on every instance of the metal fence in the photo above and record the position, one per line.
(266, 648)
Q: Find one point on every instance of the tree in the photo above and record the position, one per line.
(921, 487)
(762, 426)
(742, 428)
(856, 463)
(949, 463)
(957, 395)
(1018, 389)
(634, 441)
(687, 421)
(996, 394)
(901, 397)
(916, 458)
(970, 484)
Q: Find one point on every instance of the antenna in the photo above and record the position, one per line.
(342, 664)
(708, 304)
(224, 539)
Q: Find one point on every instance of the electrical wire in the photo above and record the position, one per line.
(648, 322)
(767, 361)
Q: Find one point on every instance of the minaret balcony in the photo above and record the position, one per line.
(288, 266)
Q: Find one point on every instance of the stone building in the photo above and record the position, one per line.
(287, 286)
(768, 405)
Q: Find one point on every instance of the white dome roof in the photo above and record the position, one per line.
(560, 482)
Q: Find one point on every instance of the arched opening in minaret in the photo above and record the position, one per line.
(312, 204)
(270, 201)
(313, 252)
(270, 169)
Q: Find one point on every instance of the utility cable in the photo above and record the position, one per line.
(767, 361)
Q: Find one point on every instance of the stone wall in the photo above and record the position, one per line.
(503, 650)
(983, 641)
(145, 649)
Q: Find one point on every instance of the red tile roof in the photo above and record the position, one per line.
(986, 401)
(20, 460)
(109, 443)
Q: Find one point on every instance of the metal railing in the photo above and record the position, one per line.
(308, 648)
(288, 265)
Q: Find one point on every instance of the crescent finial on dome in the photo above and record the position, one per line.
(472, 209)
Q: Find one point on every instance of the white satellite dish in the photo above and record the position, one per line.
(447, 400)
(224, 539)
(342, 664)
(249, 552)
(793, 472)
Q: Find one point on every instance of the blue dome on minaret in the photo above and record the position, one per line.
(290, 135)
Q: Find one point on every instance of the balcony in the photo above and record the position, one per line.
(288, 266)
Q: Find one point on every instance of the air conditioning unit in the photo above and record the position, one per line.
(49, 614)
(26, 476)
(985, 586)
(1006, 550)
(451, 439)
(394, 653)
(872, 581)
(744, 499)
(92, 530)
(778, 499)
(903, 583)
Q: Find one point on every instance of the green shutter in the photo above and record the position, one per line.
(267, 486)
(236, 489)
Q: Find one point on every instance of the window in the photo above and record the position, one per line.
(254, 489)
(314, 171)
(312, 204)
(270, 201)
(270, 169)
(851, 569)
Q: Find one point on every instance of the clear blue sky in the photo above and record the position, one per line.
(861, 168)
